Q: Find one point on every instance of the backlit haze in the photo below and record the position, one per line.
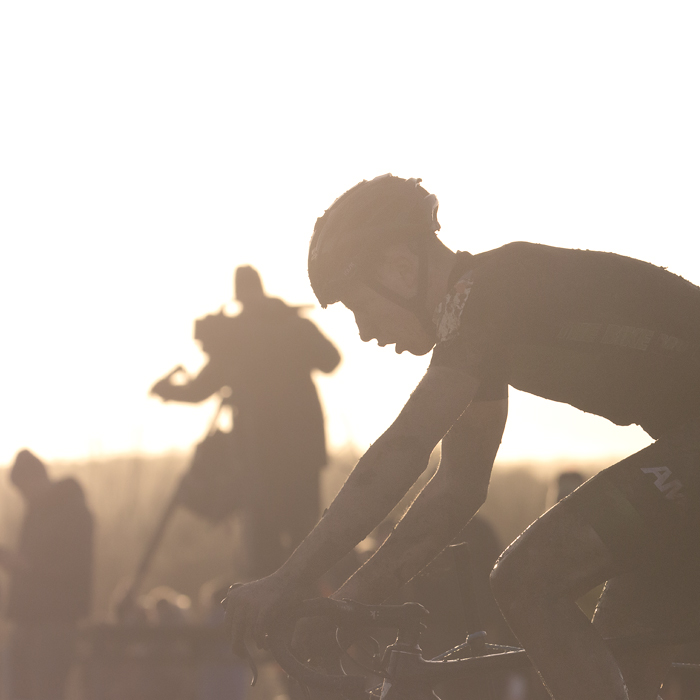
(148, 148)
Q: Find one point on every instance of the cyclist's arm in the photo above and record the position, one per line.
(204, 385)
(379, 481)
(384, 474)
(442, 509)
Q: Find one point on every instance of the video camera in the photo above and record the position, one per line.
(215, 332)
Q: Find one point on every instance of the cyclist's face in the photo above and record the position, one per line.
(387, 322)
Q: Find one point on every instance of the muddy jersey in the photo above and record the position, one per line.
(607, 334)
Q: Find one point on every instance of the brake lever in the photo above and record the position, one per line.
(248, 657)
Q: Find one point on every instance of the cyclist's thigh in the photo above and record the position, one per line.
(646, 507)
(560, 554)
(639, 512)
(655, 532)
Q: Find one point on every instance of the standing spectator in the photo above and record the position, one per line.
(50, 580)
(566, 482)
(265, 356)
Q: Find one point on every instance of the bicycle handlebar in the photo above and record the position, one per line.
(406, 618)
(351, 613)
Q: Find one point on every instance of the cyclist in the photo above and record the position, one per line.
(608, 334)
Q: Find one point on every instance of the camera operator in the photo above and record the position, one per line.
(265, 356)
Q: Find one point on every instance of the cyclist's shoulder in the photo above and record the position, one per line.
(485, 283)
(537, 272)
(526, 254)
(515, 263)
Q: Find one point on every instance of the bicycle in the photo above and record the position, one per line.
(405, 674)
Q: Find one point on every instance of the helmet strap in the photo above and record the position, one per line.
(417, 304)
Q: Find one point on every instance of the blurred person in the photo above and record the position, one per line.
(607, 334)
(264, 357)
(50, 580)
(566, 482)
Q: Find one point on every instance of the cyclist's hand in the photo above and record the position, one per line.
(252, 607)
(315, 642)
(162, 389)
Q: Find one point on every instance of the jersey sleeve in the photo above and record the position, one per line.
(492, 385)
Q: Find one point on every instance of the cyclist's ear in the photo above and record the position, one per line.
(398, 269)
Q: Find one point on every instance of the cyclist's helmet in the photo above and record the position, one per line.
(359, 224)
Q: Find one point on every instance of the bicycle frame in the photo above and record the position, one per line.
(407, 675)
(411, 677)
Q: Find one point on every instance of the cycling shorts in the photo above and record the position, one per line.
(646, 509)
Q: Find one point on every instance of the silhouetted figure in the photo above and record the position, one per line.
(265, 356)
(567, 482)
(50, 580)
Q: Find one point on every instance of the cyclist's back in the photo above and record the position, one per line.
(608, 334)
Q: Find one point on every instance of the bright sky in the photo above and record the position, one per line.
(148, 147)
